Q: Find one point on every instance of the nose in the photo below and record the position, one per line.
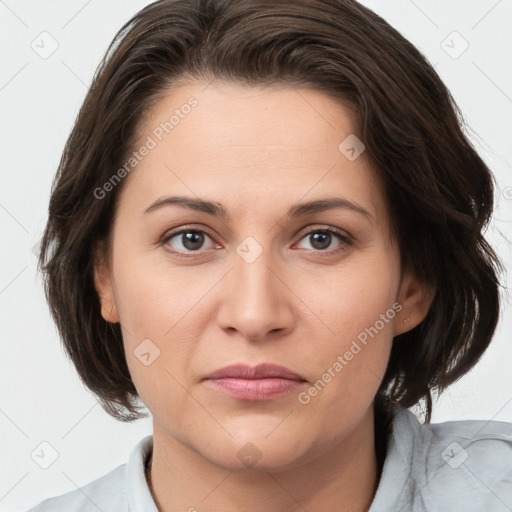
(256, 300)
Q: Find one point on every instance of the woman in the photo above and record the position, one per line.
(267, 225)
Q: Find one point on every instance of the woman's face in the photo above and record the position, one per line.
(262, 283)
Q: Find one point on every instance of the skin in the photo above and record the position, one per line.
(256, 152)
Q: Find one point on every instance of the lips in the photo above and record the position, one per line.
(261, 371)
(255, 383)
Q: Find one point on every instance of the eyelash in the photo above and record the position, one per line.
(346, 240)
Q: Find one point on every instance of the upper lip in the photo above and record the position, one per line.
(261, 371)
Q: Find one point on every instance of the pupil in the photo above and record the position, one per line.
(192, 240)
(324, 238)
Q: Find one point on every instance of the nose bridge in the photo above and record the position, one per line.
(256, 301)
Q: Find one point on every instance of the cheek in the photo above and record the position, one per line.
(353, 296)
(346, 370)
(356, 317)
(154, 298)
(162, 316)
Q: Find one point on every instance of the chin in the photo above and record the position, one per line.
(257, 453)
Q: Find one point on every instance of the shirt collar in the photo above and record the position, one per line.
(138, 493)
(394, 489)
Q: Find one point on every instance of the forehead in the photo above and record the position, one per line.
(270, 119)
(238, 144)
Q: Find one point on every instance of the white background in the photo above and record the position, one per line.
(42, 398)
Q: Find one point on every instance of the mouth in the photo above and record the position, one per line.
(255, 383)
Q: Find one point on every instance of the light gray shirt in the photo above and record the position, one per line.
(453, 466)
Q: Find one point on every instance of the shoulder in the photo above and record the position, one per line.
(460, 464)
(107, 493)
(122, 489)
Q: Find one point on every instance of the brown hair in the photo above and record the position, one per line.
(439, 191)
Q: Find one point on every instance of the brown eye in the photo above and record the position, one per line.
(186, 240)
(321, 239)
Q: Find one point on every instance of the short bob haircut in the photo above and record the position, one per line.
(438, 189)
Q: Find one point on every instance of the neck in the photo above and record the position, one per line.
(343, 478)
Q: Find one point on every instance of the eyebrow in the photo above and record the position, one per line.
(296, 210)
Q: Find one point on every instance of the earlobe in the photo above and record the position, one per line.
(415, 297)
(103, 286)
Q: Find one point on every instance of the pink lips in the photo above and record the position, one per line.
(255, 383)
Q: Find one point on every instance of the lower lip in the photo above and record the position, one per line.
(255, 390)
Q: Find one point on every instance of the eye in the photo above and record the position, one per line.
(187, 240)
(321, 239)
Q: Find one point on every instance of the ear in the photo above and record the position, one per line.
(415, 298)
(103, 284)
